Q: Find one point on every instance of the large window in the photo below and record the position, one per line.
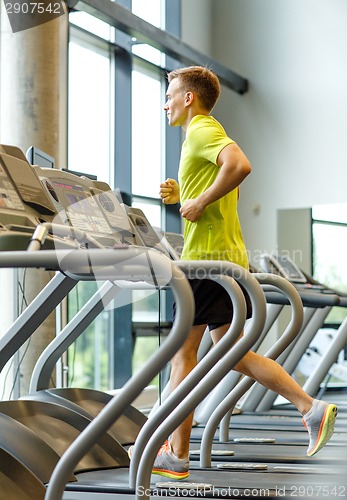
(100, 75)
(89, 152)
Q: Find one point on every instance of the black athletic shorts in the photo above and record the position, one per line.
(213, 306)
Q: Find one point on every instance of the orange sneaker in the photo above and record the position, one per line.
(167, 464)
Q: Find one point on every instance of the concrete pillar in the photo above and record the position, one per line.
(33, 112)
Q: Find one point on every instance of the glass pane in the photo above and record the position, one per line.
(149, 10)
(151, 211)
(89, 111)
(89, 152)
(91, 24)
(88, 356)
(143, 350)
(329, 258)
(331, 213)
(147, 116)
(145, 306)
(148, 53)
(146, 303)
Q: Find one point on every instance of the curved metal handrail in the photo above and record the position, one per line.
(215, 374)
(113, 410)
(194, 377)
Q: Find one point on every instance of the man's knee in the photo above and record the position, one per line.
(245, 364)
(183, 356)
(187, 354)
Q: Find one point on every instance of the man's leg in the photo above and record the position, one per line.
(319, 417)
(181, 365)
(173, 457)
(269, 374)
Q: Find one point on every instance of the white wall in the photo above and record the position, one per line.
(197, 24)
(293, 121)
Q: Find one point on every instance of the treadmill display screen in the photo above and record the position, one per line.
(80, 206)
(293, 273)
(284, 266)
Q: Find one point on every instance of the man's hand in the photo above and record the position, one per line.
(192, 210)
(169, 192)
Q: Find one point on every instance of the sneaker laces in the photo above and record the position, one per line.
(164, 448)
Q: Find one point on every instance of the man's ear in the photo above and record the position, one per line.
(189, 98)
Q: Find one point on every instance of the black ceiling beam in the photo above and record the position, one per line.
(144, 32)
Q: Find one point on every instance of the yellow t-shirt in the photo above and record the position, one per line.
(217, 235)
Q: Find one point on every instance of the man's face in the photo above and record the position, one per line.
(175, 106)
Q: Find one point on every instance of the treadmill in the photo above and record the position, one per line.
(113, 483)
(64, 261)
(88, 482)
(282, 424)
(26, 200)
(141, 489)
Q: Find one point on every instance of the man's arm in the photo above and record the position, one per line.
(169, 192)
(234, 168)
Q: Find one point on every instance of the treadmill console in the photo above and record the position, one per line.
(173, 243)
(30, 195)
(19, 183)
(87, 205)
(145, 234)
(283, 266)
(22, 200)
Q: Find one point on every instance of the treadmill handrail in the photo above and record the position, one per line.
(194, 377)
(114, 409)
(322, 368)
(215, 374)
(33, 315)
(46, 362)
(132, 263)
(313, 320)
(309, 298)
